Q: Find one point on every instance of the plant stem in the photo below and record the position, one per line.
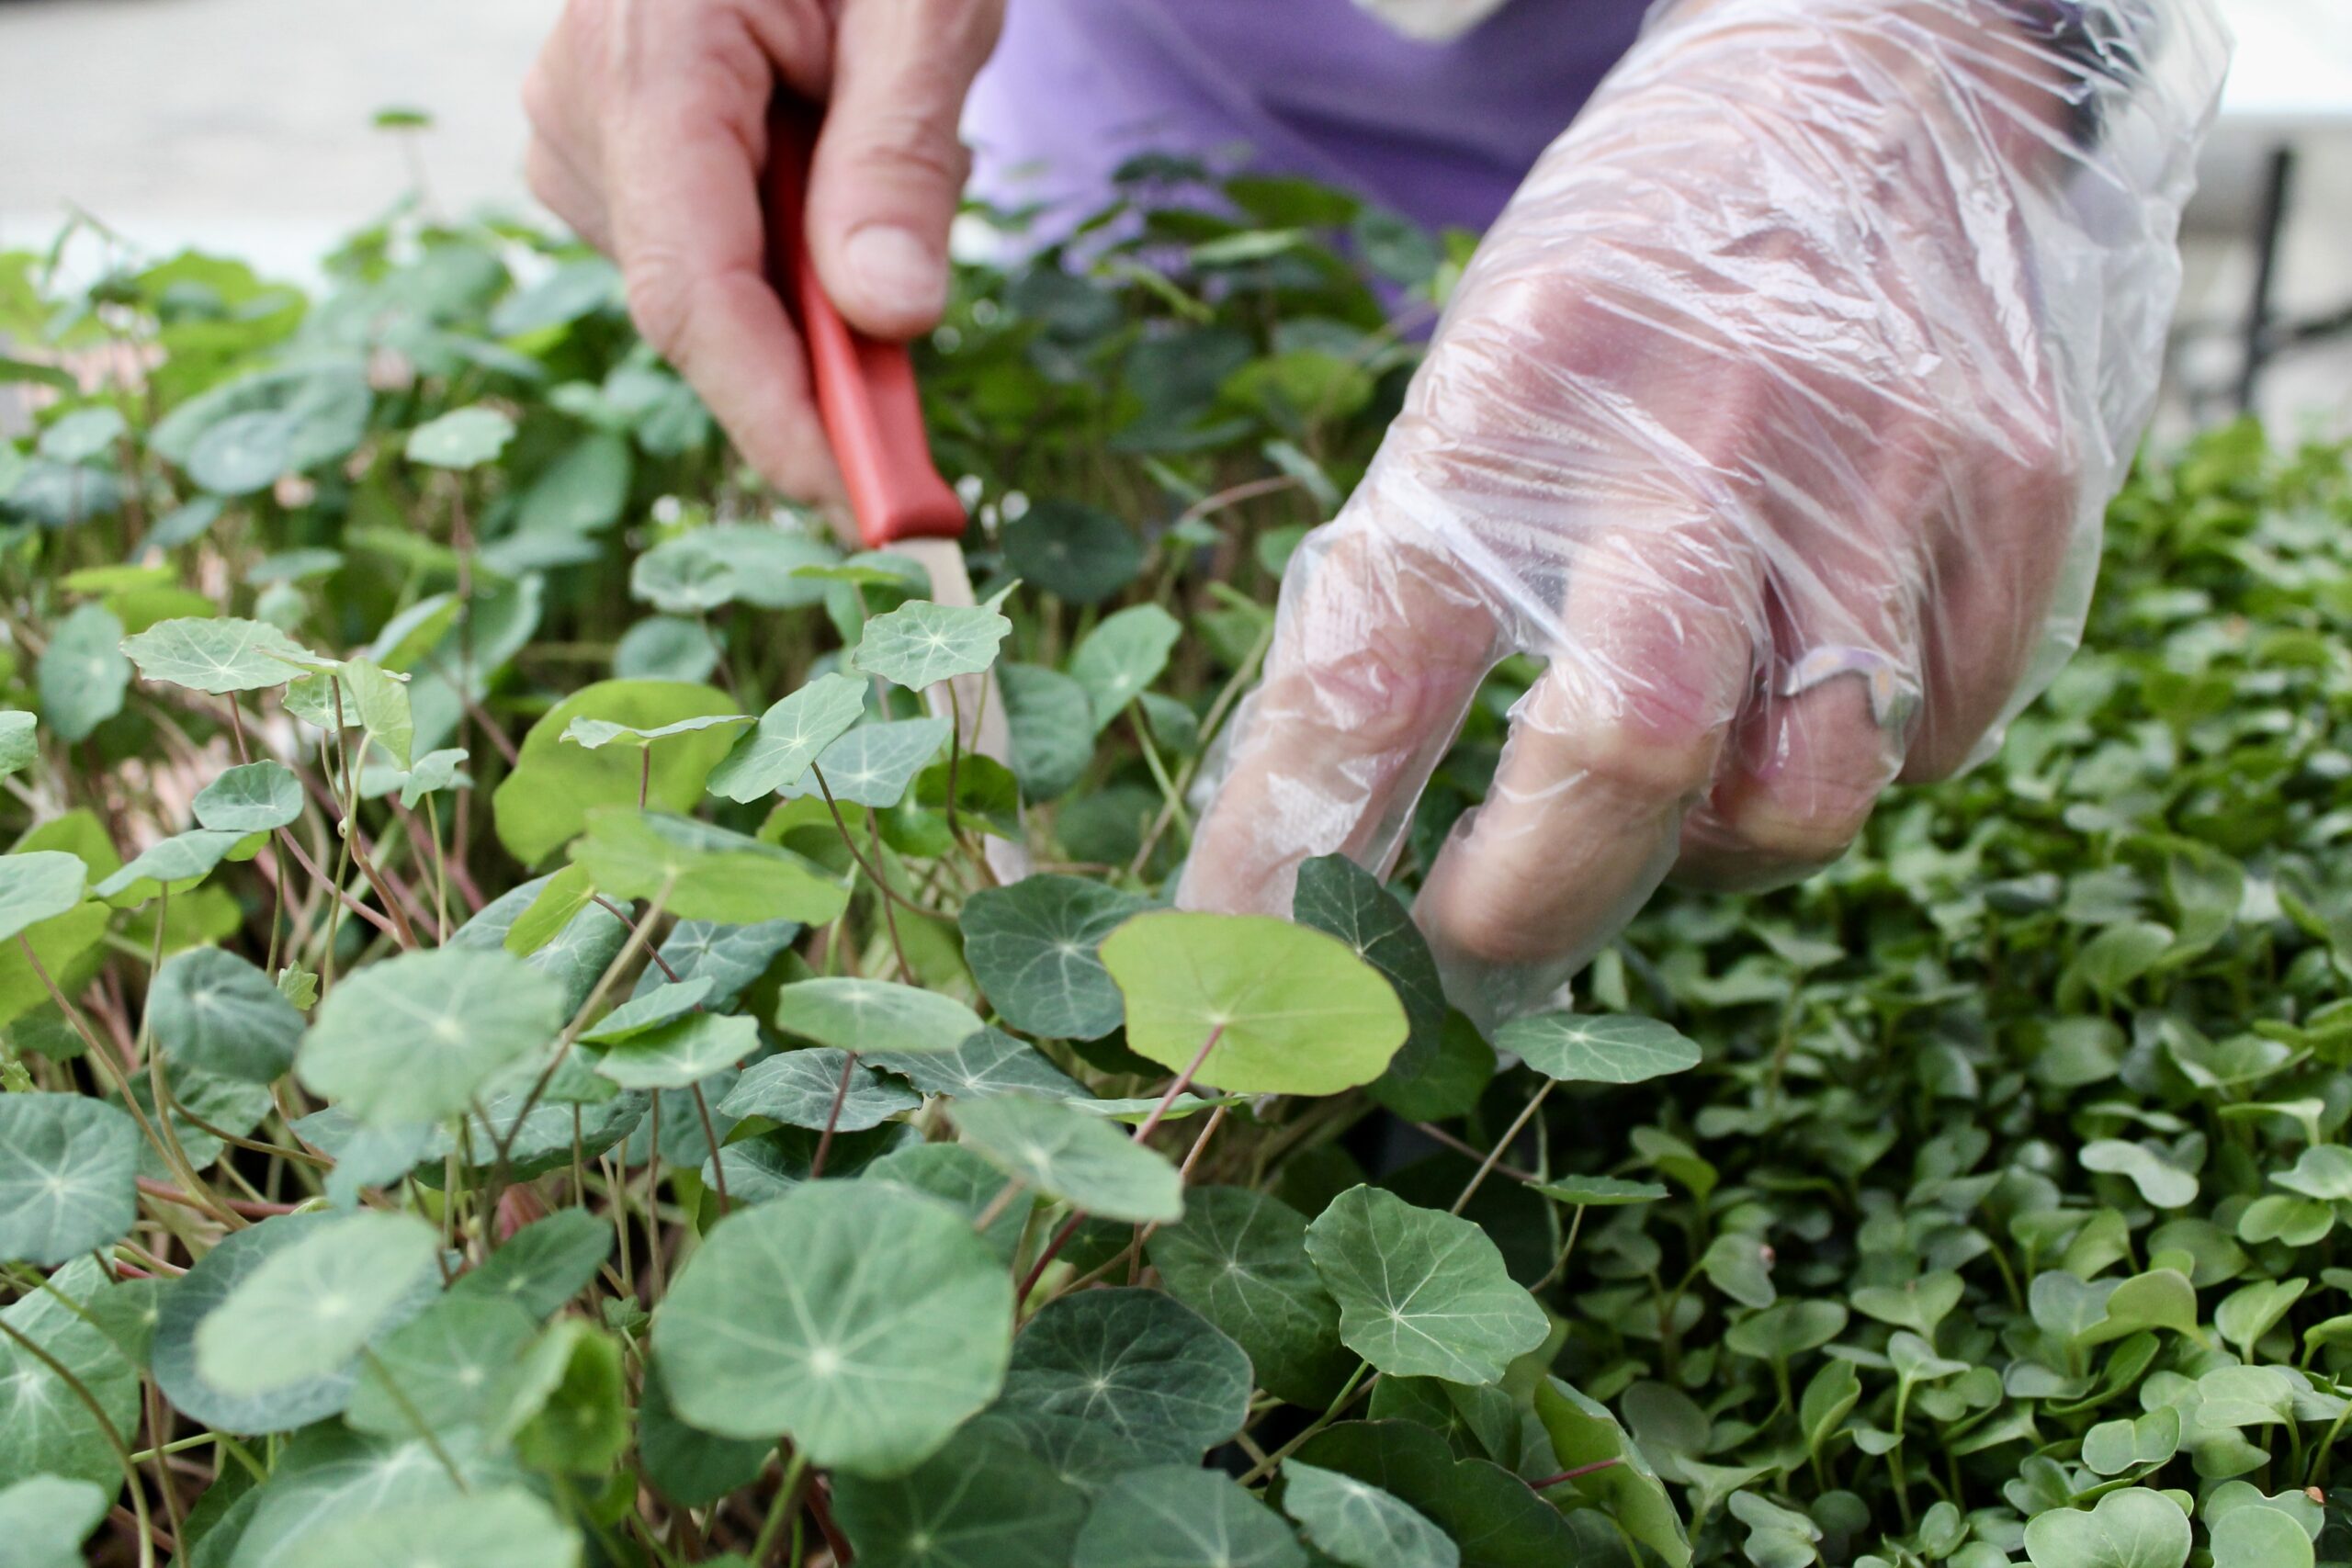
(106, 1426)
(787, 1494)
(710, 1136)
(1501, 1143)
(833, 1116)
(1340, 1401)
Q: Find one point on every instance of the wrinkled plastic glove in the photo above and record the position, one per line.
(1777, 416)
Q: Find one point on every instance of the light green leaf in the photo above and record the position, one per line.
(798, 1089)
(1176, 1516)
(679, 1055)
(447, 1363)
(413, 1038)
(1600, 1191)
(311, 1305)
(955, 1175)
(746, 563)
(1338, 895)
(1034, 947)
(2260, 1538)
(2160, 1181)
(2111, 1448)
(37, 885)
(69, 1169)
(1239, 1259)
(44, 1426)
(1052, 723)
(1293, 1010)
(20, 746)
(82, 435)
(359, 694)
(1066, 1155)
(920, 644)
(433, 773)
(1583, 1434)
(212, 1011)
(874, 764)
(83, 674)
(1421, 1293)
(666, 1002)
(1133, 1373)
(594, 733)
(869, 1016)
(219, 654)
(790, 735)
(246, 452)
(1357, 1524)
(2323, 1171)
(701, 871)
(45, 1518)
(254, 798)
(182, 858)
(543, 1264)
(988, 1062)
(505, 1529)
(547, 799)
(1590, 1048)
(858, 1318)
(2134, 1527)
(981, 1504)
(558, 901)
(1122, 657)
(462, 438)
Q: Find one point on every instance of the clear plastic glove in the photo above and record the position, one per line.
(649, 133)
(1778, 415)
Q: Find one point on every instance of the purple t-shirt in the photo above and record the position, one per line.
(1442, 132)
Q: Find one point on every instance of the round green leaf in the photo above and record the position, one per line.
(213, 1011)
(920, 644)
(1600, 1191)
(875, 763)
(868, 1016)
(1422, 1293)
(1034, 947)
(1294, 1010)
(2260, 1537)
(1358, 1524)
(447, 1363)
(730, 956)
(650, 1010)
(862, 1320)
(1073, 551)
(953, 1174)
(82, 435)
(988, 1062)
(797, 1088)
(594, 733)
(980, 1504)
(254, 798)
(546, 800)
(1052, 726)
(703, 872)
(37, 885)
(666, 647)
(45, 1518)
(69, 1170)
(1338, 895)
(20, 746)
(246, 452)
(681, 1054)
(1176, 1516)
(1134, 1374)
(1575, 1047)
(1082, 1160)
(543, 1264)
(311, 1305)
(505, 1528)
(2134, 1527)
(44, 1426)
(791, 734)
(413, 1038)
(1240, 1259)
(83, 674)
(462, 438)
(1787, 1328)
(2161, 1182)
(1123, 656)
(218, 655)
(182, 858)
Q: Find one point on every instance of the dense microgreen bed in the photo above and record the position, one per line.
(515, 1055)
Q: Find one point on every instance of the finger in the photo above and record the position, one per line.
(564, 191)
(889, 168)
(1379, 649)
(1619, 736)
(682, 192)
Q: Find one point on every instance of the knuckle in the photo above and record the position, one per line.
(659, 303)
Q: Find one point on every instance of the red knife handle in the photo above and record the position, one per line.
(866, 387)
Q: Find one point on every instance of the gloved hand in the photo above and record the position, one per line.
(1777, 414)
(649, 126)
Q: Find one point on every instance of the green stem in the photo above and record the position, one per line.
(788, 1496)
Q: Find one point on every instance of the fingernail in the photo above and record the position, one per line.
(895, 270)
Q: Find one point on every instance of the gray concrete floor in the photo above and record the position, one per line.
(242, 126)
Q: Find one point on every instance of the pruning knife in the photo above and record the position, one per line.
(873, 418)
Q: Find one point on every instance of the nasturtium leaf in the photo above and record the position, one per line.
(1338, 895)
(1491, 1513)
(980, 1504)
(1584, 1435)
(1590, 1048)
(447, 1364)
(82, 435)
(508, 1527)
(663, 1002)
(246, 452)
(688, 1466)
(182, 857)
(572, 1413)
(2133, 1528)
(1032, 946)
(791, 734)
(875, 763)
(19, 747)
(868, 1016)
(920, 644)
(594, 733)
(253, 798)
(462, 438)
(213, 1011)
(433, 773)
(1135, 1373)
(574, 958)
(220, 655)
(749, 563)
(2260, 1537)
(1065, 1153)
(2161, 1182)
(667, 647)
(415, 1037)
(69, 1169)
(1356, 1523)
(1445, 1084)
(955, 1175)
(1422, 1293)
(775, 1163)
(862, 1320)
(1600, 1191)
(1239, 1259)
(1051, 726)
(312, 1304)
(554, 786)
(45, 1518)
(44, 1426)
(798, 1089)
(1121, 657)
(83, 674)
(681, 1053)
(558, 901)
(730, 956)
(543, 1264)
(1293, 1010)
(1176, 1516)
(703, 872)
(37, 885)
(359, 694)
(987, 1063)
(1073, 551)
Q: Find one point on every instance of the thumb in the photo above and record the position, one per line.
(889, 167)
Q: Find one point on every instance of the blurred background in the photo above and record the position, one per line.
(245, 126)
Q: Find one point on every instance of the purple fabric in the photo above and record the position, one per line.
(1439, 132)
